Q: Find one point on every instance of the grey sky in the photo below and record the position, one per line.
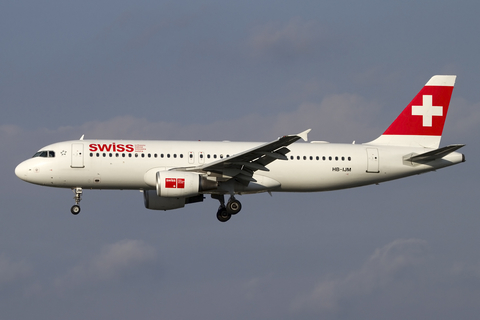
(249, 70)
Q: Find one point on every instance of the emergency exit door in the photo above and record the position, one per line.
(372, 160)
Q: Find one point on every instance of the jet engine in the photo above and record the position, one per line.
(179, 184)
(154, 202)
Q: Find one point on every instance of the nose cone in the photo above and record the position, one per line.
(21, 171)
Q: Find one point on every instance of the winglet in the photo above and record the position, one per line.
(304, 135)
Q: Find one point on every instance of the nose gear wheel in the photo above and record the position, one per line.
(78, 197)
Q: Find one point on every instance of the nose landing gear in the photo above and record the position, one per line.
(225, 212)
(78, 197)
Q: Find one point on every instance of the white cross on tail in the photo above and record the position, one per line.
(427, 111)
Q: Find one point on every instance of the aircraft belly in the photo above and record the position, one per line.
(261, 184)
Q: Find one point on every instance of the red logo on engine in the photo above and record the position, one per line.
(174, 183)
(181, 183)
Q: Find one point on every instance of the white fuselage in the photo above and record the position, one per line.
(124, 164)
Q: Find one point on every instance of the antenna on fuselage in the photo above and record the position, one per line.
(81, 138)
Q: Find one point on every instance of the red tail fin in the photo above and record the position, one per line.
(421, 122)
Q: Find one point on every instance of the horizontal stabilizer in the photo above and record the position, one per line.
(435, 154)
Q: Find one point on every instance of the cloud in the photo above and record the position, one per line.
(338, 118)
(390, 268)
(9, 130)
(11, 271)
(114, 262)
(297, 38)
(468, 272)
(464, 118)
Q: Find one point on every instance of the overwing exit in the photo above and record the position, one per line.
(172, 174)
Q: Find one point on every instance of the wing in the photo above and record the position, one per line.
(241, 166)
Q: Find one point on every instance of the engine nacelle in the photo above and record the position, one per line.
(179, 184)
(154, 202)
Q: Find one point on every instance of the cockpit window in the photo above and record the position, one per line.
(44, 154)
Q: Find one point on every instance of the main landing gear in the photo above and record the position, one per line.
(225, 212)
(78, 197)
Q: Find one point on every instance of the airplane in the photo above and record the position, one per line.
(172, 174)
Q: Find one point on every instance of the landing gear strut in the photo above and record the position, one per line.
(78, 197)
(225, 212)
